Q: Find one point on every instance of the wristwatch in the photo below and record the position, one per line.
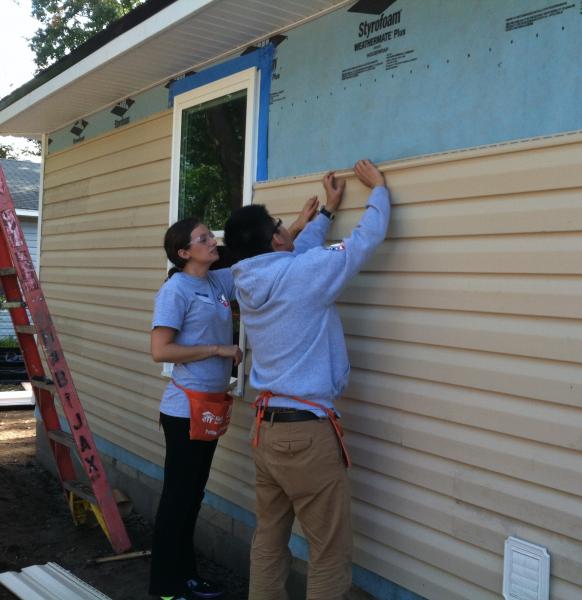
(323, 211)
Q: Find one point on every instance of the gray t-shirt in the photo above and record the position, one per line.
(198, 308)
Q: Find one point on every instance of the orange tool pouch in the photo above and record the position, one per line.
(209, 413)
(262, 403)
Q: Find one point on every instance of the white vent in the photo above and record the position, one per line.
(526, 571)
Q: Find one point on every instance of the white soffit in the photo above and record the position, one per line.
(49, 582)
(183, 36)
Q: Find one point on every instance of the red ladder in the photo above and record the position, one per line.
(22, 290)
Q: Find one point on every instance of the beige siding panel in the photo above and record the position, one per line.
(555, 296)
(552, 211)
(528, 503)
(137, 340)
(412, 574)
(150, 387)
(156, 127)
(526, 254)
(110, 355)
(122, 318)
(151, 173)
(104, 423)
(138, 237)
(133, 258)
(555, 467)
(462, 560)
(101, 296)
(156, 214)
(112, 162)
(123, 400)
(148, 280)
(459, 520)
(550, 381)
(555, 339)
(522, 417)
(136, 197)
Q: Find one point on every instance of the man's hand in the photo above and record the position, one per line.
(367, 172)
(334, 191)
(307, 213)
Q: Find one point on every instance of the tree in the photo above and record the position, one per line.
(66, 24)
(7, 151)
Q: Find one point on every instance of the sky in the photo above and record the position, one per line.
(17, 60)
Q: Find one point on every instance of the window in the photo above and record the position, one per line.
(214, 157)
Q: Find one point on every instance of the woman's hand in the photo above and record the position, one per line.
(334, 191)
(233, 352)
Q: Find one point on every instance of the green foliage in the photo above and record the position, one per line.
(66, 24)
(9, 341)
(212, 160)
(7, 151)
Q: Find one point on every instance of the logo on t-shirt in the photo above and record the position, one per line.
(337, 247)
(223, 300)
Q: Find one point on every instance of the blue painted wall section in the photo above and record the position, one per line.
(423, 77)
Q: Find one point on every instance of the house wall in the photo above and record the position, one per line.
(463, 412)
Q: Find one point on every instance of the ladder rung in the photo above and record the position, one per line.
(43, 384)
(80, 489)
(24, 329)
(17, 304)
(62, 437)
(7, 271)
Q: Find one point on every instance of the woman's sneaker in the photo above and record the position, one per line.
(202, 588)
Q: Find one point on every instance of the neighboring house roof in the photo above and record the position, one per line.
(157, 41)
(23, 178)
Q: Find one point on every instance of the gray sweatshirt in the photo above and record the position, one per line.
(287, 303)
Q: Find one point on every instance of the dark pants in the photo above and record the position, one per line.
(186, 471)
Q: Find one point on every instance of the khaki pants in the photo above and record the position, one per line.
(300, 472)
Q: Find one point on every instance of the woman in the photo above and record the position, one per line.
(192, 328)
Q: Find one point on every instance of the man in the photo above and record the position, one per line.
(286, 292)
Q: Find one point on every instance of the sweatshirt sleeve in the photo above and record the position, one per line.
(326, 271)
(313, 235)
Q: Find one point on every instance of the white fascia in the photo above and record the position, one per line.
(25, 212)
(136, 36)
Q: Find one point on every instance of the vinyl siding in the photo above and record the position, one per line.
(105, 211)
(464, 412)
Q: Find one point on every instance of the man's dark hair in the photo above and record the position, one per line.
(249, 232)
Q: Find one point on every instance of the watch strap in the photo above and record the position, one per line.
(326, 213)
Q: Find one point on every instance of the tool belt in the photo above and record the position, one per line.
(209, 413)
(263, 413)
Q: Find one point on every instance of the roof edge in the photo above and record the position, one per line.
(113, 30)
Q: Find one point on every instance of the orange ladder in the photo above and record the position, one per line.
(23, 297)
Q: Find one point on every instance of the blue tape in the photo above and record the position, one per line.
(262, 59)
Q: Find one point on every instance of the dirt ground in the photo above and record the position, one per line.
(36, 526)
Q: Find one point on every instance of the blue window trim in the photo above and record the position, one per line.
(262, 59)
